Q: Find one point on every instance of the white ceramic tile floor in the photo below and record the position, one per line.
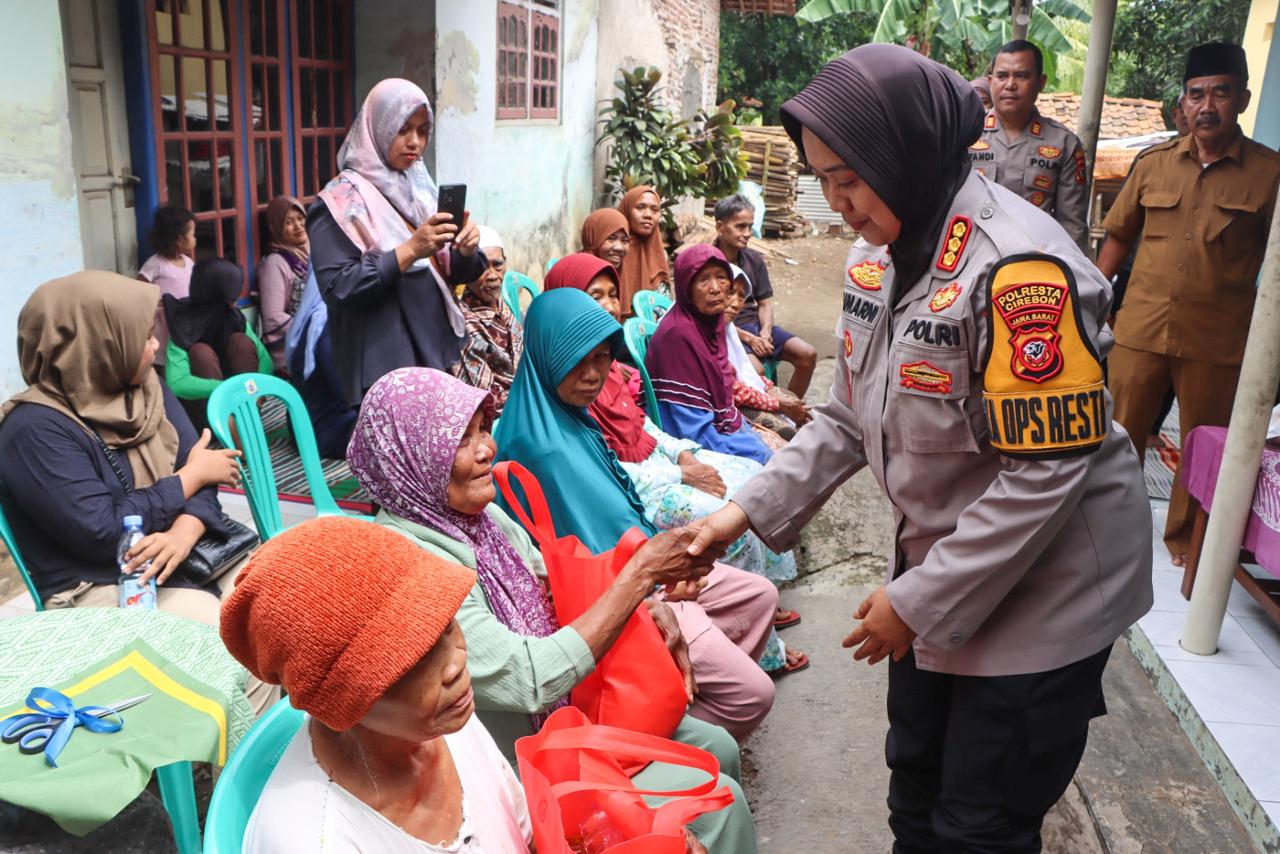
(1237, 691)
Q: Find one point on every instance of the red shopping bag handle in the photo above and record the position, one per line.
(541, 527)
(625, 744)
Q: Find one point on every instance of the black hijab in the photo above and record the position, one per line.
(904, 123)
(209, 315)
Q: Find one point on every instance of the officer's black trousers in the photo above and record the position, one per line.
(976, 762)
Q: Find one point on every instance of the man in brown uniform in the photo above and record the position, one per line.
(1036, 157)
(1202, 205)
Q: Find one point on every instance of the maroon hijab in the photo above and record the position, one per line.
(616, 411)
(688, 358)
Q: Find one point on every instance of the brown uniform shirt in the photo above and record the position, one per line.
(1204, 231)
(1044, 165)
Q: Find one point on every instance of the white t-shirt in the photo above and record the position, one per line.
(302, 810)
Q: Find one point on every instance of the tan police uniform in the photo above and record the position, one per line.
(1190, 297)
(976, 398)
(1045, 166)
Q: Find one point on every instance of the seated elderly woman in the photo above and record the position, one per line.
(677, 481)
(494, 340)
(422, 450)
(688, 361)
(209, 337)
(357, 625)
(757, 397)
(570, 343)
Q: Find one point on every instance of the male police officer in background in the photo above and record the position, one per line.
(1036, 157)
(1201, 205)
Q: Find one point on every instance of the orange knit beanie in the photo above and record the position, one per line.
(336, 610)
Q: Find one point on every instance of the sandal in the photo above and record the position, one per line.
(801, 663)
(784, 618)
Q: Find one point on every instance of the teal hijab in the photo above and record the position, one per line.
(589, 493)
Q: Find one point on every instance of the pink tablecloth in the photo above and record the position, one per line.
(1201, 458)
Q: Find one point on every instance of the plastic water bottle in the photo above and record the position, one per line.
(133, 593)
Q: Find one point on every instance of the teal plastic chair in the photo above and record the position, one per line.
(637, 332)
(238, 398)
(551, 264)
(512, 284)
(177, 789)
(6, 533)
(245, 777)
(649, 306)
(771, 370)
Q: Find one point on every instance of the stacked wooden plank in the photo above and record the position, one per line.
(774, 163)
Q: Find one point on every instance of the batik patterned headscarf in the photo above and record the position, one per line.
(378, 207)
(688, 358)
(402, 450)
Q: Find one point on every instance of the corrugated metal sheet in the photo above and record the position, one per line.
(811, 204)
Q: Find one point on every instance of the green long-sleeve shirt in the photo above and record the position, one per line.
(186, 385)
(512, 675)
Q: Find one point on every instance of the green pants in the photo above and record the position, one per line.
(727, 831)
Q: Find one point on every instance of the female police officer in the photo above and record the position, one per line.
(972, 329)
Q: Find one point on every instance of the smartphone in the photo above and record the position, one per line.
(453, 200)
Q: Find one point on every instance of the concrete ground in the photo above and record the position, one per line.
(816, 776)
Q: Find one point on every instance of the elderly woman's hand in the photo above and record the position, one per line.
(665, 559)
(700, 475)
(665, 619)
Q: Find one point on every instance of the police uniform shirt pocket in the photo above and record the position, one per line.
(1160, 212)
(860, 314)
(929, 391)
(1038, 186)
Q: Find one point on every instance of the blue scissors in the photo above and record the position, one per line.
(33, 732)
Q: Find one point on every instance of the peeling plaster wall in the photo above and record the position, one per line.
(531, 180)
(38, 205)
(680, 37)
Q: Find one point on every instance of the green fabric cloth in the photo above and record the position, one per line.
(513, 676)
(563, 444)
(99, 774)
(178, 376)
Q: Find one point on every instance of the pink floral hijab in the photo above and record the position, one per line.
(378, 207)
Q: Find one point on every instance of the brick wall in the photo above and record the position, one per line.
(691, 30)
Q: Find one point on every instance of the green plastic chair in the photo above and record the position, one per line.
(245, 776)
(238, 398)
(512, 284)
(177, 789)
(649, 306)
(10, 543)
(637, 332)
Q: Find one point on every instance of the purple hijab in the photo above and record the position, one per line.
(688, 357)
(410, 426)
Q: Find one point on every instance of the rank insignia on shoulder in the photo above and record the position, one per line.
(980, 145)
(1049, 152)
(1037, 198)
(990, 122)
(944, 298)
(957, 238)
(1042, 386)
(1042, 182)
(868, 274)
(923, 376)
(1035, 131)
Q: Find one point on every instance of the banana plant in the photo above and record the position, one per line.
(962, 33)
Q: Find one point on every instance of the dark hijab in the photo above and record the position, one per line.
(209, 314)
(904, 124)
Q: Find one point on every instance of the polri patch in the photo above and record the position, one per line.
(1042, 182)
(1049, 151)
(923, 376)
(1042, 385)
(957, 239)
(868, 274)
(943, 298)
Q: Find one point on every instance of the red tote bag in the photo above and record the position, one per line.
(636, 686)
(573, 769)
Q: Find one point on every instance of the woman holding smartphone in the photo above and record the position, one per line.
(385, 257)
